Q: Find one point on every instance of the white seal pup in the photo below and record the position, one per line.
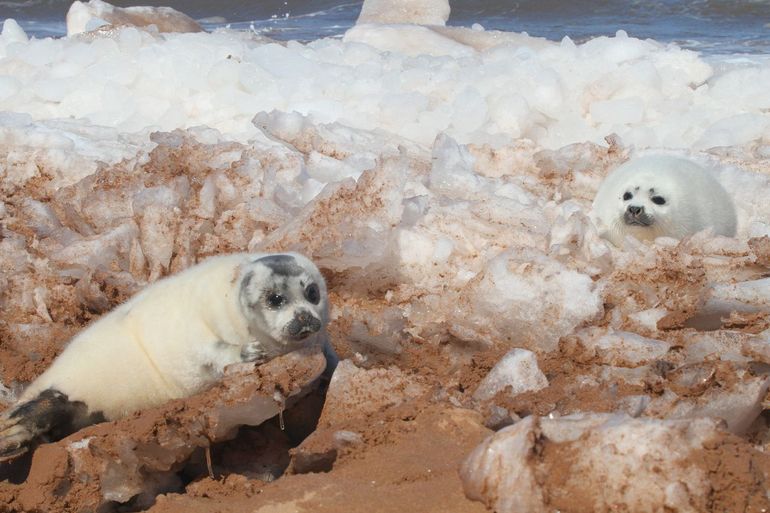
(171, 340)
(661, 196)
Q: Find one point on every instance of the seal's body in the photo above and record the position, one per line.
(172, 340)
(661, 196)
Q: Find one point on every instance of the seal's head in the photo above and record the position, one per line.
(283, 297)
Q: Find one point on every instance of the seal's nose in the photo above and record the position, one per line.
(635, 211)
(303, 325)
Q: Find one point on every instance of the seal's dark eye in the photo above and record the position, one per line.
(627, 196)
(659, 200)
(312, 293)
(275, 300)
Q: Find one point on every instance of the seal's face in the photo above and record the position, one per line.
(642, 206)
(284, 297)
(644, 202)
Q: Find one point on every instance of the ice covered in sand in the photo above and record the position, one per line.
(95, 14)
(419, 12)
(598, 462)
(441, 177)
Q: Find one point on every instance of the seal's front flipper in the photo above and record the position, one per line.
(23, 424)
(14, 438)
(254, 352)
(50, 416)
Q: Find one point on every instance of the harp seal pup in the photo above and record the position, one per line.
(171, 340)
(661, 196)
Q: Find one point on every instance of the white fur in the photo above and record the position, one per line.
(176, 336)
(695, 201)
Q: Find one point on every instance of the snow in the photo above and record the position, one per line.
(415, 81)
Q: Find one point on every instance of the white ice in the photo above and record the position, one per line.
(518, 369)
(410, 80)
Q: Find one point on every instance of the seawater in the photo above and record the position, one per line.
(712, 27)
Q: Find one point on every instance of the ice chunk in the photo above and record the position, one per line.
(452, 171)
(364, 392)
(648, 319)
(411, 40)
(61, 152)
(485, 39)
(613, 462)
(517, 369)
(9, 86)
(382, 332)
(734, 131)
(530, 297)
(104, 251)
(420, 12)
(512, 486)
(725, 345)
(615, 112)
(623, 348)
(738, 405)
(157, 210)
(12, 32)
(753, 295)
(42, 218)
(371, 207)
(327, 169)
(85, 17)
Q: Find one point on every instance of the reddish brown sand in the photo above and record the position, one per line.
(412, 467)
(407, 458)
